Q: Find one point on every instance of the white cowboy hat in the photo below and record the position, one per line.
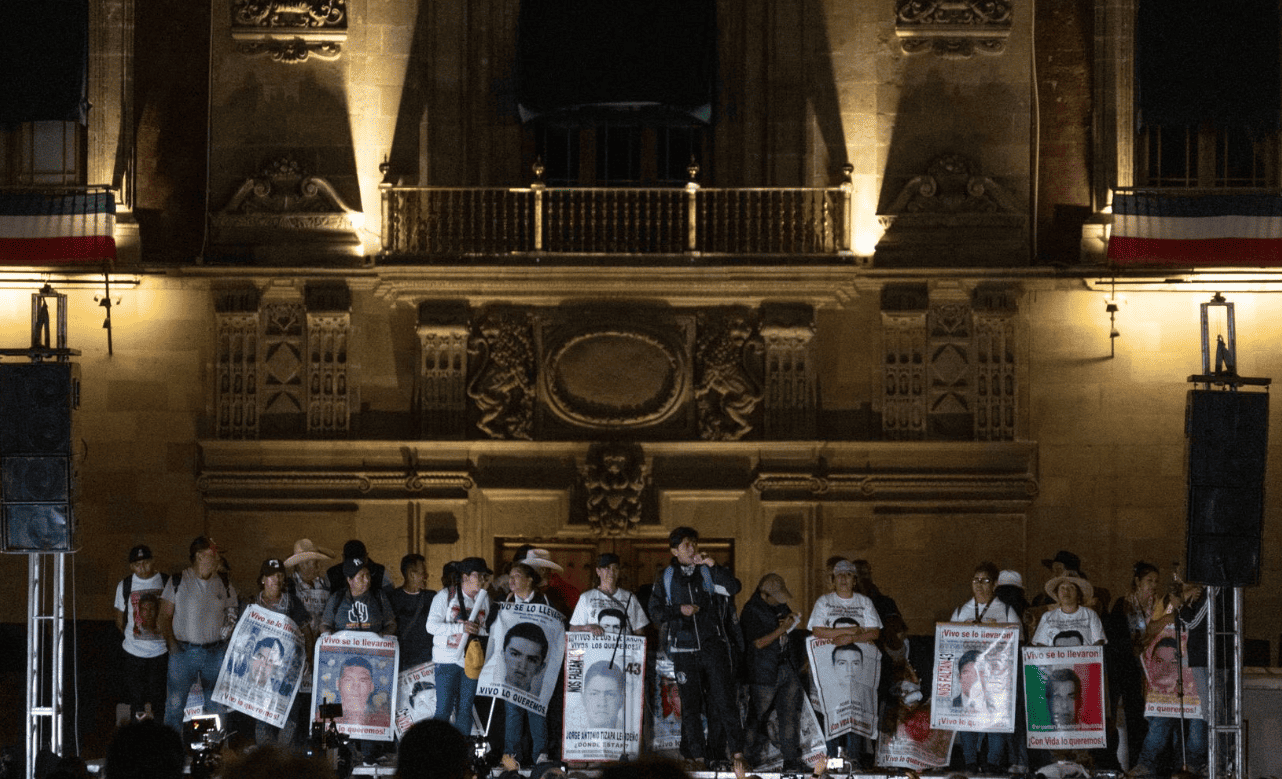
(305, 550)
(539, 558)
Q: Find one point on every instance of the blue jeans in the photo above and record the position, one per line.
(996, 748)
(514, 718)
(454, 694)
(1162, 730)
(785, 695)
(185, 664)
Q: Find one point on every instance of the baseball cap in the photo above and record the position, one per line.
(844, 566)
(773, 586)
(271, 566)
(353, 565)
(607, 559)
(1010, 577)
(140, 552)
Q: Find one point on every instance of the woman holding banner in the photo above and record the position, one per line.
(525, 659)
(458, 612)
(984, 607)
(273, 596)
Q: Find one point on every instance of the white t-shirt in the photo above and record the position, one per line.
(1054, 622)
(142, 635)
(993, 611)
(591, 603)
(831, 607)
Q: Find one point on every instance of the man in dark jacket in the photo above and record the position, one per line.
(767, 621)
(691, 598)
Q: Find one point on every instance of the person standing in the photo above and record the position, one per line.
(359, 606)
(410, 604)
(458, 613)
(355, 549)
(198, 611)
(273, 596)
(525, 652)
(145, 665)
(607, 596)
(845, 617)
(767, 622)
(690, 598)
(983, 608)
(308, 581)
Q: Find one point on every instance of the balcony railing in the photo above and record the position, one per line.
(456, 221)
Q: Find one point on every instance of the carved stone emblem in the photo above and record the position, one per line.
(954, 29)
(729, 375)
(615, 477)
(501, 367)
(289, 30)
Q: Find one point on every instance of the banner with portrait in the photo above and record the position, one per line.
(915, 744)
(664, 718)
(974, 685)
(524, 654)
(845, 678)
(415, 696)
(810, 736)
(358, 670)
(263, 666)
(1166, 661)
(604, 696)
(1064, 697)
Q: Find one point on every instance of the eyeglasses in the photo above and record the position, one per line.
(982, 580)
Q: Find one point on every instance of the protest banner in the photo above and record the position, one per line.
(604, 696)
(846, 677)
(415, 696)
(915, 744)
(263, 666)
(810, 737)
(664, 721)
(1165, 661)
(358, 670)
(1064, 697)
(523, 658)
(974, 685)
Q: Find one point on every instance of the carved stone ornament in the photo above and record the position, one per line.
(501, 367)
(285, 210)
(729, 377)
(290, 31)
(615, 478)
(954, 29)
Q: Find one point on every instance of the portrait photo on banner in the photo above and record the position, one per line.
(523, 656)
(415, 695)
(358, 670)
(1064, 697)
(915, 744)
(664, 714)
(846, 677)
(1166, 663)
(604, 696)
(263, 666)
(975, 674)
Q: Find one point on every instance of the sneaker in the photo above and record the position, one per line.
(543, 758)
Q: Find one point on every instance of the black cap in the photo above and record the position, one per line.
(140, 552)
(353, 565)
(607, 559)
(472, 565)
(1071, 561)
(354, 548)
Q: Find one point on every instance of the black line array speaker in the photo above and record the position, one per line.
(37, 468)
(1228, 435)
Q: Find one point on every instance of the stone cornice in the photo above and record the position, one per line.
(907, 476)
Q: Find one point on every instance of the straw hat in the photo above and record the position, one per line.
(305, 550)
(1052, 586)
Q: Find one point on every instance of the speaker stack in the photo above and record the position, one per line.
(1228, 433)
(37, 470)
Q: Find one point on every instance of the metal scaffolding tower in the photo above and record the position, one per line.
(1227, 752)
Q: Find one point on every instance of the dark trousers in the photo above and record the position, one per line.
(785, 696)
(145, 679)
(706, 677)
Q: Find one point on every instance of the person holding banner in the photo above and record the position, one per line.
(690, 598)
(1126, 627)
(359, 606)
(847, 617)
(1168, 665)
(1070, 619)
(984, 607)
(525, 654)
(601, 607)
(273, 596)
(458, 612)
